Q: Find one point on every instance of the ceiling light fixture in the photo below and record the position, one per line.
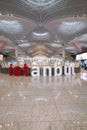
(56, 45)
(10, 26)
(70, 28)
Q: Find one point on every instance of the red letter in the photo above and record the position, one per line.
(26, 70)
(17, 71)
(10, 70)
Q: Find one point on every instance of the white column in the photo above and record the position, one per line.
(16, 53)
(63, 53)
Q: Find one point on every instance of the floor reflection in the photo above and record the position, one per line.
(84, 75)
(44, 103)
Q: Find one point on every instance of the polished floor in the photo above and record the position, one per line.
(49, 103)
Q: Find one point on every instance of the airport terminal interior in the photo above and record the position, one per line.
(37, 34)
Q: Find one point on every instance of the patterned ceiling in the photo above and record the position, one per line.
(44, 10)
(42, 4)
(50, 23)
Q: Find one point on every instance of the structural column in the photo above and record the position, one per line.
(63, 53)
(16, 53)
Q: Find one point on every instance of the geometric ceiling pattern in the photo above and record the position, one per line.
(40, 35)
(43, 26)
(44, 10)
(42, 4)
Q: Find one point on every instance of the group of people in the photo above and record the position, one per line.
(83, 65)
